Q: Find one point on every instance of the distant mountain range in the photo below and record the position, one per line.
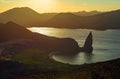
(85, 13)
(90, 20)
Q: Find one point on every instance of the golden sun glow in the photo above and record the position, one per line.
(43, 4)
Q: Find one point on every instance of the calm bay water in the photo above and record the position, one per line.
(106, 44)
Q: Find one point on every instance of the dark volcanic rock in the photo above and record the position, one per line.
(67, 45)
(14, 35)
(88, 43)
(13, 32)
(9, 68)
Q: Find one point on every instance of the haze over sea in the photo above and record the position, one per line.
(106, 44)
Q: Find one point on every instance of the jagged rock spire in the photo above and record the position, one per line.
(88, 43)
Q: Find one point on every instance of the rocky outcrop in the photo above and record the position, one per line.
(11, 33)
(88, 44)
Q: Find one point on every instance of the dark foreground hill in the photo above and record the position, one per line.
(95, 20)
(103, 70)
(12, 33)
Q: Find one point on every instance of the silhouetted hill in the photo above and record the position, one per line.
(85, 13)
(89, 20)
(24, 16)
(108, 20)
(13, 33)
(46, 16)
(65, 20)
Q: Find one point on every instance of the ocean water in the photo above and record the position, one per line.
(106, 44)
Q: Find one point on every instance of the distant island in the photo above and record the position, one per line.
(73, 20)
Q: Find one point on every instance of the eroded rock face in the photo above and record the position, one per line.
(88, 44)
(67, 45)
(62, 45)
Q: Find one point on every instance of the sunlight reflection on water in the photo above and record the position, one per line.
(106, 44)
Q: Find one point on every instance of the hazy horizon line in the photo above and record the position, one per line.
(61, 11)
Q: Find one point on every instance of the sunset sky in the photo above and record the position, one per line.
(43, 6)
